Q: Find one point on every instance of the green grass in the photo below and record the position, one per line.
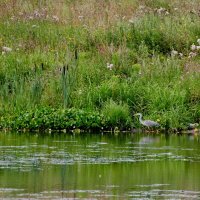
(43, 69)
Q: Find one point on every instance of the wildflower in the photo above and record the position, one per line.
(192, 54)
(12, 18)
(198, 48)
(174, 53)
(6, 49)
(36, 13)
(180, 55)
(131, 21)
(166, 13)
(193, 47)
(80, 17)
(110, 66)
(33, 26)
(55, 18)
(141, 7)
(161, 11)
(198, 41)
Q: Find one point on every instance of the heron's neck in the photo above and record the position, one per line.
(140, 118)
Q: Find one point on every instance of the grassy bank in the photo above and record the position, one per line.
(103, 60)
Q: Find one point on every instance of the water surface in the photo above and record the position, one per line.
(99, 166)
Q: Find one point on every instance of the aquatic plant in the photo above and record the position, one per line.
(56, 119)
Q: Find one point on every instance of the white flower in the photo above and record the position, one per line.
(162, 11)
(6, 49)
(180, 54)
(141, 7)
(174, 53)
(55, 18)
(80, 17)
(198, 41)
(193, 47)
(166, 13)
(110, 66)
(36, 13)
(192, 54)
(198, 48)
(131, 21)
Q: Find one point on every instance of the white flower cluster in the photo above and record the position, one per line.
(36, 14)
(162, 11)
(110, 66)
(6, 50)
(194, 49)
(176, 53)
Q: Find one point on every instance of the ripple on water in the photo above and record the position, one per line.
(164, 194)
(96, 194)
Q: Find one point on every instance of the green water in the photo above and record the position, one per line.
(94, 166)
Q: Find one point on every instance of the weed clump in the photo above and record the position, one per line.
(116, 115)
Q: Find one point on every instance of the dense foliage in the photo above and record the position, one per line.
(94, 64)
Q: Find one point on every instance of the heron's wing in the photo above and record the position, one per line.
(151, 123)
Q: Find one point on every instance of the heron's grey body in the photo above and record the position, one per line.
(147, 123)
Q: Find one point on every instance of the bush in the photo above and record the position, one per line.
(116, 114)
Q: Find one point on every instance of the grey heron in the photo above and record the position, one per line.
(147, 123)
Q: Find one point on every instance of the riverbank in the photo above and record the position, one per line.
(95, 64)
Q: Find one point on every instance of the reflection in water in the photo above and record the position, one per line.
(148, 140)
(93, 166)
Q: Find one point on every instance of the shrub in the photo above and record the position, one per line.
(116, 114)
